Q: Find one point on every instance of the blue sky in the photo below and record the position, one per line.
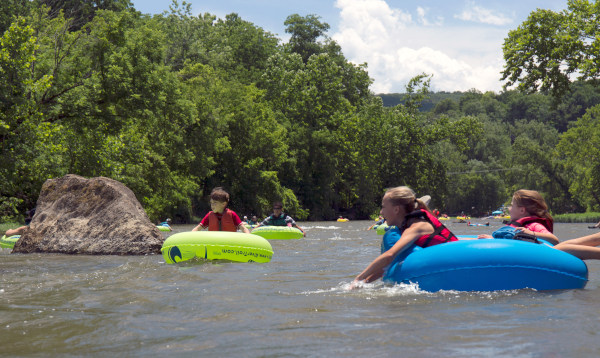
(458, 42)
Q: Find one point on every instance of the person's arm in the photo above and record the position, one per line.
(17, 231)
(299, 228)
(203, 224)
(539, 230)
(376, 268)
(238, 222)
(292, 223)
(265, 222)
(243, 228)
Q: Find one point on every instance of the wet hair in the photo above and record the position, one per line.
(278, 203)
(219, 194)
(405, 197)
(30, 214)
(533, 202)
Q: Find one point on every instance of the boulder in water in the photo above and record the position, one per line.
(97, 216)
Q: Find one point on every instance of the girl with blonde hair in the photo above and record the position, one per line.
(415, 224)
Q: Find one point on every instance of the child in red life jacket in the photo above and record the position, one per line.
(529, 214)
(416, 225)
(221, 218)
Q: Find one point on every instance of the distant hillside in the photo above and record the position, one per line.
(394, 99)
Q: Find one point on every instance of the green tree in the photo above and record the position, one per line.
(550, 47)
(305, 31)
(80, 12)
(539, 169)
(579, 149)
(10, 11)
(22, 133)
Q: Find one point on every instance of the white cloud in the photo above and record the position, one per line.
(422, 12)
(485, 16)
(397, 48)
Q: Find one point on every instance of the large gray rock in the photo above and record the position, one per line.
(97, 216)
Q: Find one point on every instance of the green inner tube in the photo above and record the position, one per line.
(9, 242)
(278, 232)
(216, 245)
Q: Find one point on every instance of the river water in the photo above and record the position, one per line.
(297, 305)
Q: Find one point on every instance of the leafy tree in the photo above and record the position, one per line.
(476, 191)
(190, 37)
(10, 11)
(21, 132)
(80, 12)
(446, 106)
(579, 148)
(248, 47)
(305, 31)
(533, 153)
(549, 47)
(573, 105)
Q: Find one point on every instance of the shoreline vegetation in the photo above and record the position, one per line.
(173, 105)
(591, 217)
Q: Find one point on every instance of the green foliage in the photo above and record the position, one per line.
(549, 47)
(305, 31)
(590, 217)
(579, 148)
(10, 11)
(176, 104)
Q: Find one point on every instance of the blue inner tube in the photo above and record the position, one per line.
(488, 265)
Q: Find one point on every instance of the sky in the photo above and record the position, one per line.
(459, 42)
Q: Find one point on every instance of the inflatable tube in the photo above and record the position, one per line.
(343, 220)
(216, 245)
(163, 228)
(466, 237)
(278, 232)
(9, 242)
(488, 265)
(381, 229)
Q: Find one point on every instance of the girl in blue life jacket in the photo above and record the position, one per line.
(416, 225)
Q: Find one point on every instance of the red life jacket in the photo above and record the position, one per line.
(223, 223)
(532, 219)
(440, 234)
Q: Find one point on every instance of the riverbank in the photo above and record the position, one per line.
(591, 217)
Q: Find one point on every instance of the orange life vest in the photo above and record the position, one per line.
(221, 223)
(440, 234)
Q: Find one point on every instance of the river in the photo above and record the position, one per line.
(297, 305)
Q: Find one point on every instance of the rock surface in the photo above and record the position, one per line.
(97, 216)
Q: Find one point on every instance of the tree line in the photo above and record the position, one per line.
(174, 104)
